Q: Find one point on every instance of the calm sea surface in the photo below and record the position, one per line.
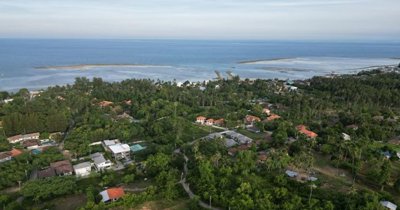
(63, 60)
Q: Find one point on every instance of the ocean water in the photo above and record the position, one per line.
(36, 64)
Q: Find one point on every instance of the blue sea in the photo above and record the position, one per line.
(39, 63)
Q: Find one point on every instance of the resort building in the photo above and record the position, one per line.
(23, 137)
(120, 151)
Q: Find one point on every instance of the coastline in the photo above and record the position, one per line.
(91, 66)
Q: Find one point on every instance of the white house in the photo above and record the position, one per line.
(82, 169)
(6, 101)
(120, 151)
(389, 205)
(291, 173)
(108, 143)
(346, 137)
(99, 162)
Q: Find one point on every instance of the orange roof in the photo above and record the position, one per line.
(15, 152)
(273, 117)
(115, 193)
(201, 118)
(302, 129)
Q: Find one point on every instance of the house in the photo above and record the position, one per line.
(125, 116)
(273, 117)
(31, 144)
(219, 122)
(100, 163)
(250, 119)
(346, 137)
(262, 156)
(112, 194)
(120, 151)
(210, 122)
(46, 173)
(388, 205)
(34, 94)
(6, 101)
(291, 174)
(303, 130)
(5, 156)
(107, 143)
(266, 111)
(82, 169)
(15, 152)
(312, 178)
(62, 168)
(387, 154)
(23, 137)
(105, 103)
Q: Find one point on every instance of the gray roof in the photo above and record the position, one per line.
(82, 165)
(389, 205)
(98, 158)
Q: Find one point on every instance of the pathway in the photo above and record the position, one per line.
(186, 187)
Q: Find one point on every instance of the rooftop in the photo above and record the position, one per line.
(119, 148)
(112, 193)
(82, 165)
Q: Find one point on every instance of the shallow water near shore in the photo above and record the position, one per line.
(36, 64)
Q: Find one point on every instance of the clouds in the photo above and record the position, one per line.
(196, 19)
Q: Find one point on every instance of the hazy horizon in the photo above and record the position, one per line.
(287, 20)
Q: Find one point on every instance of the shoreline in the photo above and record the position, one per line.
(91, 66)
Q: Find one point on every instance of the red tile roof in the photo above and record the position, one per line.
(302, 129)
(15, 152)
(115, 193)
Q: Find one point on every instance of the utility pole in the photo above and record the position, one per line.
(210, 201)
(311, 189)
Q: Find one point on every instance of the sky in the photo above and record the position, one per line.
(202, 19)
